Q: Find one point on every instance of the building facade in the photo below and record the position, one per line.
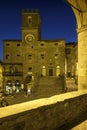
(31, 57)
(71, 60)
(1, 75)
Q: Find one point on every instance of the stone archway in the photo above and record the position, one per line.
(79, 8)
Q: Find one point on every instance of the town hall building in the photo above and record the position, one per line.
(31, 57)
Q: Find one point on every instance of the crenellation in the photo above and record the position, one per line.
(30, 11)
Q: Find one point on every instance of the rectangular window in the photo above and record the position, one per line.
(56, 44)
(15, 69)
(18, 55)
(68, 50)
(30, 69)
(30, 57)
(42, 56)
(7, 56)
(42, 44)
(18, 44)
(56, 56)
(7, 44)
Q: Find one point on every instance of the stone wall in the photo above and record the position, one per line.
(44, 114)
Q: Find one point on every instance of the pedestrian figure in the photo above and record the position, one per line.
(64, 83)
(28, 91)
(7, 89)
(14, 88)
(22, 87)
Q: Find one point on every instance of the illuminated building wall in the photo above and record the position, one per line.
(32, 56)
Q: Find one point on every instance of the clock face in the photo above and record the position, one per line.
(29, 38)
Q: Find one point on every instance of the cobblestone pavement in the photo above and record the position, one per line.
(70, 84)
(22, 97)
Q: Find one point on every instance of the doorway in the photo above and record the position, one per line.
(50, 72)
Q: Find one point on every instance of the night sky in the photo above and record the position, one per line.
(58, 20)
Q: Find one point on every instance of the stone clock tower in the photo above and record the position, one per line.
(31, 26)
(31, 34)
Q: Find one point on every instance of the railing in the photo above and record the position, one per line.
(53, 113)
(12, 73)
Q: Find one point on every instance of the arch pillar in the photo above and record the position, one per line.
(82, 58)
(79, 8)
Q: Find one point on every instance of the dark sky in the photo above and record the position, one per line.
(58, 20)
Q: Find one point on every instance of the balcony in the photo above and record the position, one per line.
(12, 73)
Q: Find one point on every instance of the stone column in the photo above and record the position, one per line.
(82, 58)
(79, 8)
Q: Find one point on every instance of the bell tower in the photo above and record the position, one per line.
(31, 25)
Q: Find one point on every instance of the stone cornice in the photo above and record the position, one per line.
(83, 28)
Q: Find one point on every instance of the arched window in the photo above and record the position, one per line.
(57, 70)
(29, 19)
(43, 73)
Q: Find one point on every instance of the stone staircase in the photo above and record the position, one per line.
(46, 87)
(49, 86)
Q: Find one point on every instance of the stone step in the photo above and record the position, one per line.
(48, 81)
